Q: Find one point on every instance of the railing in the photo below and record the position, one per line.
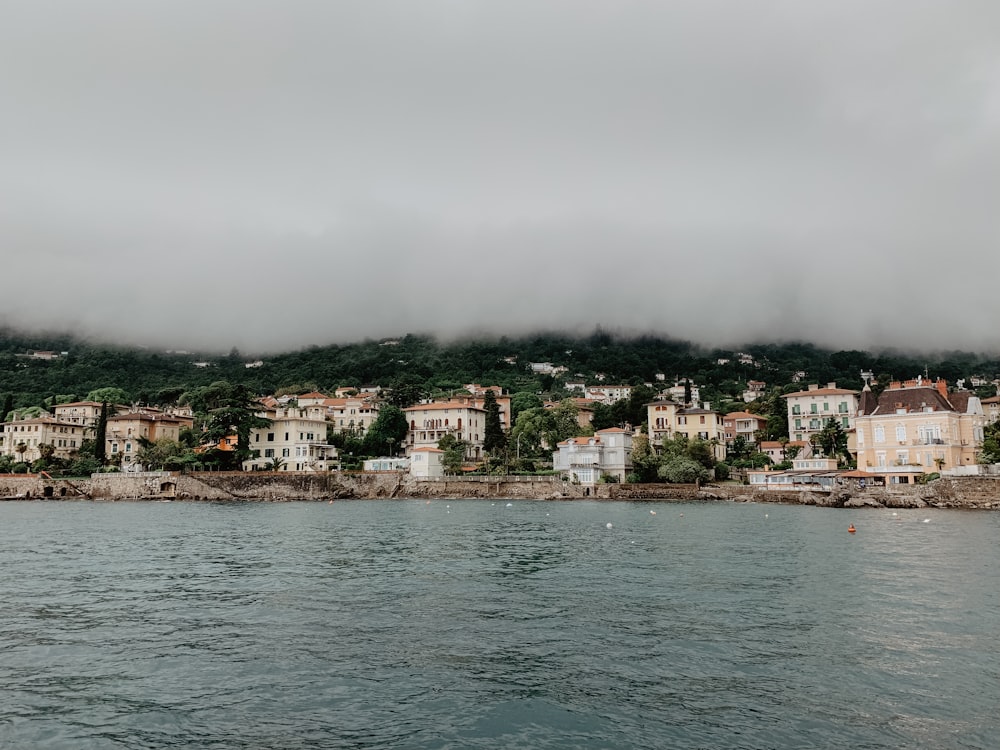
(927, 441)
(488, 478)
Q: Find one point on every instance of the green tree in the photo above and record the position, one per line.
(645, 462)
(101, 434)
(522, 401)
(236, 413)
(990, 452)
(680, 469)
(454, 453)
(109, 395)
(164, 453)
(8, 407)
(831, 441)
(386, 432)
(494, 439)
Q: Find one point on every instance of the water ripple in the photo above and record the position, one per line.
(468, 624)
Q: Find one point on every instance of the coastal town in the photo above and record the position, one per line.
(901, 432)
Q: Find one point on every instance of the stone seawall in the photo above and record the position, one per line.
(959, 492)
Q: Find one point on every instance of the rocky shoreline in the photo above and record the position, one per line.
(978, 493)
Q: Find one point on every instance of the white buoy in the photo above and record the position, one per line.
(927, 520)
(766, 516)
(652, 512)
(510, 505)
(609, 525)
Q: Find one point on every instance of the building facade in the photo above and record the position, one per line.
(810, 410)
(920, 426)
(586, 459)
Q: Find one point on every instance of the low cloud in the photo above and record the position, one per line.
(268, 176)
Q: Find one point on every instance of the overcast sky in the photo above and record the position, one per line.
(272, 174)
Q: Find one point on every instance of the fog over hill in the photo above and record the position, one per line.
(272, 175)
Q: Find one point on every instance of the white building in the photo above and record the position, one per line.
(296, 440)
(810, 410)
(427, 463)
(607, 394)
(586, 459)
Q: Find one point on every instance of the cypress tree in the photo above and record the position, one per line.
(494, 439)
(101, 435)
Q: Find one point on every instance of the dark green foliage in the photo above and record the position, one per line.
(386, 432)
(494, 439)
(223, 410)
(990, 453)
(100, 434)
(413, 366)
(831, 441)
(454, 453)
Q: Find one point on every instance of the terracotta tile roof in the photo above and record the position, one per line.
(441, 405)
(427, 450)
(990, 400)
(313, 394)
(745, 415)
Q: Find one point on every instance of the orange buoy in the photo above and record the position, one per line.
(851, 529)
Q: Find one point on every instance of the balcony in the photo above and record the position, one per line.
(927, 441)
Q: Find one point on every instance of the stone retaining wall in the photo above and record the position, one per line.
(956, 492)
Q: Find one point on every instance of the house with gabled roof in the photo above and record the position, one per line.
(918, 425)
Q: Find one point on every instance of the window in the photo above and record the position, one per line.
(702, 418)
(826, 406)
(798, 424)
(813, 408)
(845, 421)
(861, 436)
(270, 437)
(879, 433)
(901, 433)
(796, 409)
(269, 453)
(842, 407)
(285, 452)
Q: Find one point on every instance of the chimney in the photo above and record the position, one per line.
(942, 387)
(813, 386)
(895, 385)
(831, 385)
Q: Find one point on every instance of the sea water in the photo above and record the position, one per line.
(496, 624)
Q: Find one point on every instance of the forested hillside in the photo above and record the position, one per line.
(420, 364)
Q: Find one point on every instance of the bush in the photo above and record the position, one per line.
(20, 468)
(682, 470)
(722, 471)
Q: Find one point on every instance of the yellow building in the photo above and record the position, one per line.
(21, 438)
(918, 424)
(668, 419)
